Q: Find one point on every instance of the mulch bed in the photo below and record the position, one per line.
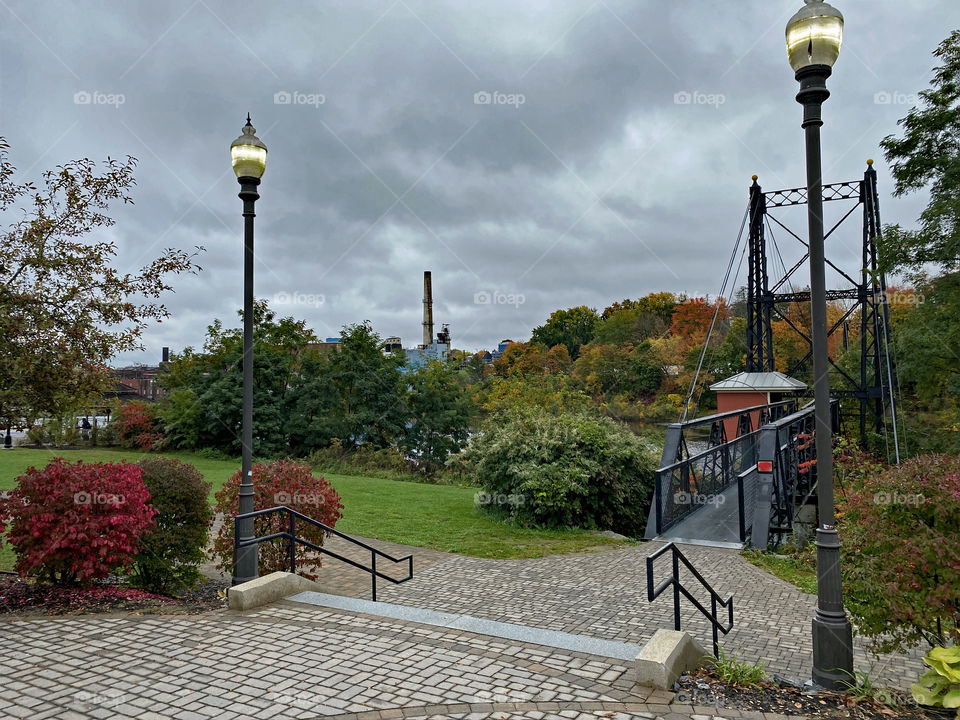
(25, 598)
(705, 688)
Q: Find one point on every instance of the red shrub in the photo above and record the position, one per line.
(901, 535)
(279, 483)
(74, 523)
(133, 423)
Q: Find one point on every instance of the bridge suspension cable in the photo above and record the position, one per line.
(713, 321)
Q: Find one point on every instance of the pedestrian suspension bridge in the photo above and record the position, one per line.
(749, 475)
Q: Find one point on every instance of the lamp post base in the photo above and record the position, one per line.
(832, 632)
(833, 653)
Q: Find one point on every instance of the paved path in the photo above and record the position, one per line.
(603, 595)
(289, 661)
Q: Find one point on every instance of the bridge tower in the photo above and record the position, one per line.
(866, 297)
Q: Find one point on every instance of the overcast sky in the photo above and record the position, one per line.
(533, 155)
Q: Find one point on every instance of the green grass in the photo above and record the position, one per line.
(797, 567)
(736, 673)
(440, 517)
(14, 462)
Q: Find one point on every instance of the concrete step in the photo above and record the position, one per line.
(466, 623)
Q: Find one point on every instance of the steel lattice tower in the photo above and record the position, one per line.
(873, 387)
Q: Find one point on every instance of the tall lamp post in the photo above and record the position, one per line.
(248, 156)
(813, 45)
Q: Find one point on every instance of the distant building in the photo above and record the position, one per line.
(392, 344)
(138, 382)
(501, 349)
(330, 345)
(439, 349)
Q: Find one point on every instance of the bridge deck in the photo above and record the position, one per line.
(716, 521)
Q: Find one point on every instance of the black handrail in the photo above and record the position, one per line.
(728, 414)
(291, 535)
(674, 580)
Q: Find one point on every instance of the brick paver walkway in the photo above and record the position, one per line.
(604, 595)
(288, 661)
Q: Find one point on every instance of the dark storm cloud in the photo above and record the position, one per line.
(532, 157)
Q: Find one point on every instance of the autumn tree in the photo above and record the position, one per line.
(65, 309)
(558, 359)
(522, 359)
(692, 319)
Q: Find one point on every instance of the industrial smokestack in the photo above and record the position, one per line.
(427, 308)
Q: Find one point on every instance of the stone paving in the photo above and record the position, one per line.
(294, 661)
(604, 595)
(287, 661)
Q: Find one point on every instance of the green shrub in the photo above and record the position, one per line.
(59, 431)
(570, 469)
(172, 549)
(389, 463)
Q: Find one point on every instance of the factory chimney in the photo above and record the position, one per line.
(427, 309)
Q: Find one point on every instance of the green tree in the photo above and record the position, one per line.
(65, 310)
(630, 325)
(439, 413)
(355, 395)
(572, 327)
(928, 154)
(660, 304)
(927, 341)
(205, 405)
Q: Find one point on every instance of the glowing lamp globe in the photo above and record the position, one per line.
(814, 35)
(248, 154)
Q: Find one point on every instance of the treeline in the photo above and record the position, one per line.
(306, 400)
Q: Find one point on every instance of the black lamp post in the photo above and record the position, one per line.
(248, 155)
(813, 44)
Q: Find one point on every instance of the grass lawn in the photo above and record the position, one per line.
(440, 517)
(797, 568)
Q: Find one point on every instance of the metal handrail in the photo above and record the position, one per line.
(654, 592)
(291, 535)
(732, 413)
(710, 450)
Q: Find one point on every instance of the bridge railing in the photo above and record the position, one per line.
(723, 446)
(786, 472)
